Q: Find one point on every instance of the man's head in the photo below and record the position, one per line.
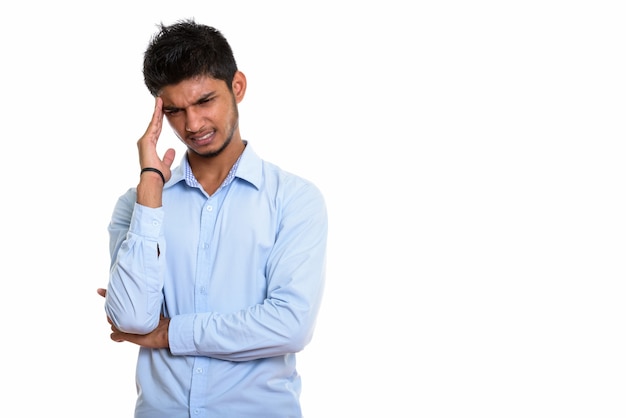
(185, 50)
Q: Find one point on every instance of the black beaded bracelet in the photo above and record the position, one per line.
(143, 170)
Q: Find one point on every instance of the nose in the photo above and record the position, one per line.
(193, 122)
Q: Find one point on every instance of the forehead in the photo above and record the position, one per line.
(191, 90)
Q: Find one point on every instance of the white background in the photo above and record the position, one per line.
(472, 158)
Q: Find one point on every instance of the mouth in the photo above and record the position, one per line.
(204, 139)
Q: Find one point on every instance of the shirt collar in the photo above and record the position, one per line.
(248, 167)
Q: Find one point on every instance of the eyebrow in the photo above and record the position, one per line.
(201, 99)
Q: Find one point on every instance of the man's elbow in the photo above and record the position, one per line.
(135, 324)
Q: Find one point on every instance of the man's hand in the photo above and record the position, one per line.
(147, 144)
(150, 187)
(155, 339)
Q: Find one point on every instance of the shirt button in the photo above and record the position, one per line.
(209, 208)
(198, 370)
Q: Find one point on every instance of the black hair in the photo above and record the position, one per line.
(184, 50)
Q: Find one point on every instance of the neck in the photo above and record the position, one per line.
(210, 171)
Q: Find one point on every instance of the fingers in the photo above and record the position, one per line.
(168, 157)
(147, 144)
(157, 117)
(116, 335)
(156, 123)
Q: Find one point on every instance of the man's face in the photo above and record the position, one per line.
(202, 111)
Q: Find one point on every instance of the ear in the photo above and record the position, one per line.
(239, 86)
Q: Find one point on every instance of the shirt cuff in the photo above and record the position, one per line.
(146, 222)
(180, 335)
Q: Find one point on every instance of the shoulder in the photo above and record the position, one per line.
(291, 181)
(270, 177)
(295, 196)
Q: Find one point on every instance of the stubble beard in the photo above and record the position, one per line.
(212, 154)
(229, 138)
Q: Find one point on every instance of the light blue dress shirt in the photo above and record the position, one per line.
(241, 275)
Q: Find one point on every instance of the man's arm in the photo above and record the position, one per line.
(133, 297)
(155, 339)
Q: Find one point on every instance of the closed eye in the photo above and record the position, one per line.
(204, 101)
(170, 110)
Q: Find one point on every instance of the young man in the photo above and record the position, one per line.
(217, 265)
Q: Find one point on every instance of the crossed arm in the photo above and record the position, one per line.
(155, 339)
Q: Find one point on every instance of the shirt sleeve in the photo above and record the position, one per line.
(285, 321)
(134, 293)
